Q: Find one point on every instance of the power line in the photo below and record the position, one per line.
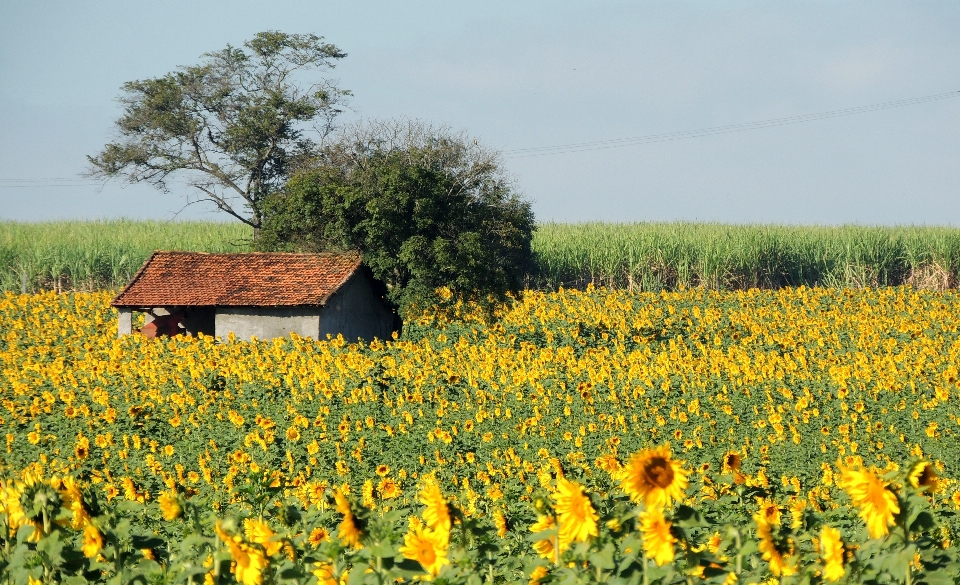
(46, 182)
(59, 182)
(585, 146)
(45, 179)
(712, 131)
(34, 186)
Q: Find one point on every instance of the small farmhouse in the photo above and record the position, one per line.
(262, 295)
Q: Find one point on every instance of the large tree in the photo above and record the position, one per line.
(233, 127)
(425, 206)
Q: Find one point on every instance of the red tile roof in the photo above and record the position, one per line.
(190, 279)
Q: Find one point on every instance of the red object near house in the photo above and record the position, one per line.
(163, 326)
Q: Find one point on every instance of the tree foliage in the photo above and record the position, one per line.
(425, 206)
(234, 125)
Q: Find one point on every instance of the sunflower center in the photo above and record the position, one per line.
(427, 554)
(659, 472)
(877, 497)
(733, 461)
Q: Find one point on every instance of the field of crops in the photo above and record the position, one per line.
(95, 255)
(595, 436)
(640, 257)
(656, 256)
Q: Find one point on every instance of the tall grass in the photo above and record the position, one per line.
(90, 255)
(78, 255)
(655, 256)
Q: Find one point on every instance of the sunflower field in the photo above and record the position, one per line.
(798, 435)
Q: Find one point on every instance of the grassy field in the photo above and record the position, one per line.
(638, 256)
(93, 255)
(654, 256)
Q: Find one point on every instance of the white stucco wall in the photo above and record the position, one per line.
(267, 322)
(124, 321)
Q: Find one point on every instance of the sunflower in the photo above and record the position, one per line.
(388, 489)
(831, 549)
(922, 476)
(130, 490)
(92, 541)
(657, 540)
(878, 505)
(260, 532)
(798, 507)
(500, 521)
(546, 548)
(578, 519)
(366, 494)
(324, 573)
(779, 563)
(72, 499)
(382, 470)
(610, 464)
(437, 513)
(714, 542)
(170, 507)
(248, 562)
(110, 491)
(769, 512)
(82, 448)
(317, 536)
(315, 492)
(537, 575)
(347, 530)
(653, 478)
(427, 547)
(731, 463)
(10, 505)
(415, 522)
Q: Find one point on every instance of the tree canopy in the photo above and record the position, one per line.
(234, 126)
(425, 206)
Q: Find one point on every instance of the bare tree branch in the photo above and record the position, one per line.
(239, 118)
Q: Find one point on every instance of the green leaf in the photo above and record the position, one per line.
(51, 546)
(144, 541)
(687, 517)
(603, 558)
(383, 549)
(937, 578)
(924, 521)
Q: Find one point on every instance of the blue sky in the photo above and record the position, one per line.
(529, 74)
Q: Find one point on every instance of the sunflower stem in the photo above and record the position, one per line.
(556, 549)
(739, 559)
(906, 540)
(646, 578)
(216, 564)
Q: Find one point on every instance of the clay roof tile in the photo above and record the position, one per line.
(237, 280)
